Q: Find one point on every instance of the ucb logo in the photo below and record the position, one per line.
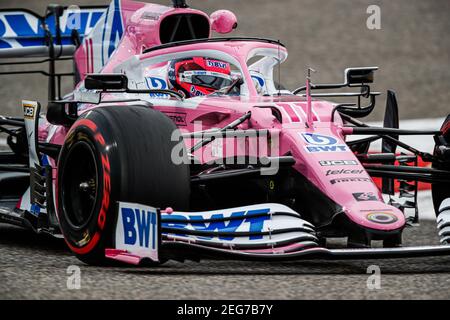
(318, 139)
(28, 111)
(328, 163)
(139, 227)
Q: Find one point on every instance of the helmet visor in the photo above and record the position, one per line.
(207, 79)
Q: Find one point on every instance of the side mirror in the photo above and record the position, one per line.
(106, 82)
(359, 76)
(223, 21)
(62, 113)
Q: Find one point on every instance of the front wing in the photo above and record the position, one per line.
(260, 232)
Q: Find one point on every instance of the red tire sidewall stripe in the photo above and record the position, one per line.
(101, 220)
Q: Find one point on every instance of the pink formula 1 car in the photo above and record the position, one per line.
(177, 145)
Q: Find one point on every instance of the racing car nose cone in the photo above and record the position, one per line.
(377, 216)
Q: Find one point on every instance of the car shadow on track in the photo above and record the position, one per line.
(17, 237)
(307, 267)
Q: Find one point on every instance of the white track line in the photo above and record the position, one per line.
(423, 143)
(425, 203)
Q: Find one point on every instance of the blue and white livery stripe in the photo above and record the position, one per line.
(21, 29)
(257, 225)
(105, 37)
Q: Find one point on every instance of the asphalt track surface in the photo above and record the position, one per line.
(35, 267)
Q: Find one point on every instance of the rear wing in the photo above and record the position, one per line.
(25, 33)
(54, 36)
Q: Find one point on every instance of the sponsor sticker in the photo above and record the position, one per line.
(330, 163)
(382, 217)
(343, 171)
(259, 80)
(322, 143)
(137, 230)
(155, 83)
(365, 196)
(179, 118)
(29, 111)
(352, 179)
(251, 220)
(195, 92)
(151, 16)
(217, 64)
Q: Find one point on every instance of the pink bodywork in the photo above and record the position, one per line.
(216, 112)
(223, 21)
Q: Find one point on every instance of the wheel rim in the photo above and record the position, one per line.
(79, 185)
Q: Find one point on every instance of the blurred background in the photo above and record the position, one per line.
(412, 48)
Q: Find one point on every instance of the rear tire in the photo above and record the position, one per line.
(441, 191)
(115, 154)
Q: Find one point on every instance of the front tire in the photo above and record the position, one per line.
(441, 191)
(115, 154)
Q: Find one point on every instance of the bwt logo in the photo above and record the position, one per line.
(322, 143)
(154, 83)
(259, 80)
(216, 64)
(318, 139)
(139, 225)
(254, 219)
(195, 92)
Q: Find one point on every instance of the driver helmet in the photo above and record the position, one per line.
(199, 76)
